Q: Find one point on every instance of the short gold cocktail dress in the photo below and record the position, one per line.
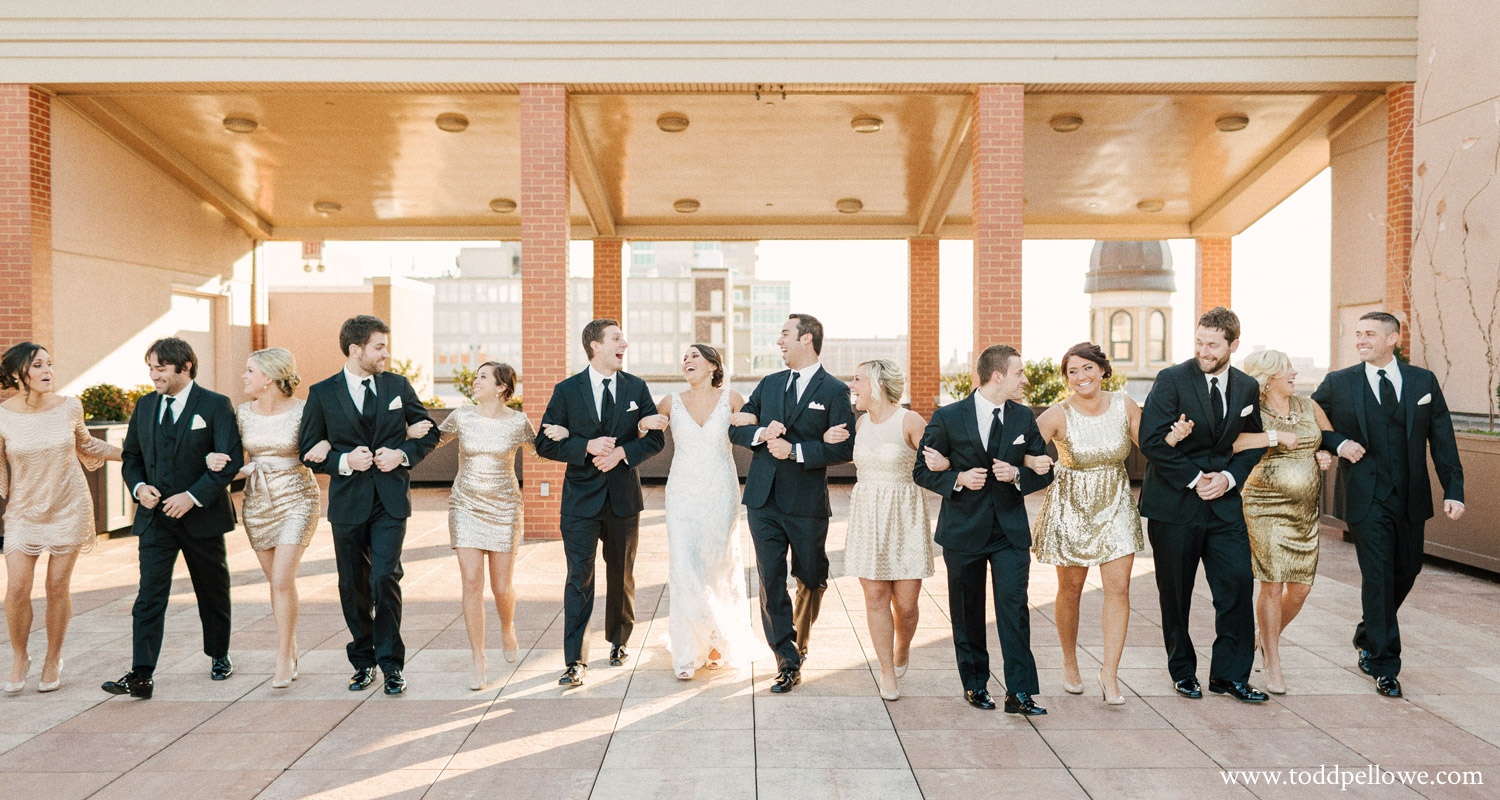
(1281, 500)
(1088, 516)
(484, 510)
(281, 494)
(42, 458)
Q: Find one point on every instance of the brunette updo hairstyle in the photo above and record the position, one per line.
(16, 364)
(711, 355)
(1089, 352)
(505, 375)
(278, 364)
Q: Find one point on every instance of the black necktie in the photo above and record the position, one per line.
(166, 412)
(367, 408)
(1387, 394)
(1216, 404)
(607, 406)
(994, 440)
(791, 395)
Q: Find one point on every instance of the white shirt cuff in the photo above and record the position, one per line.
(1194, 483)
(194, 499)
(136, 488)
(405, 459)
(1231, 481)
(344, 468)
(759, 432)
(1342, 445)
(799, 453)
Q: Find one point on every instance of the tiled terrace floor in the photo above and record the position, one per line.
(636, 732)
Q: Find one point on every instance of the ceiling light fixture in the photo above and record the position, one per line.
(685, 206)
(866, 124)
(1232, 122)
(327, 207)
(672, 122)
(452, 123)
(1150, 206)
(849, 205)
(1066, 123)
(502, 205)
(240, 124)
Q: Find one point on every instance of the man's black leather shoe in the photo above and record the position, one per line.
(394, 683)
(1189, 688)
(787, 679)
(1021, 703)
(618, 655)
(1239, 690)
(980, 699)
(1388, 686)
(221, 669)
(132, 684)
(574, 675)
(1364, 661)
(361, 679)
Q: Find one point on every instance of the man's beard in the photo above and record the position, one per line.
(1217, 365)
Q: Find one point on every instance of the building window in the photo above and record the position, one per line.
(1157, 328)
(642, 254)
(1121, 332)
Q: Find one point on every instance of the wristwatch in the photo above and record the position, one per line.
(1271, 438)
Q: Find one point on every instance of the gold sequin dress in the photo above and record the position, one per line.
(281, 494)
(484, 510)
(1281, 500)
(48, 508)
(1088, 516)
(889, 538)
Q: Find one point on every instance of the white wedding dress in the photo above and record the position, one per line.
(706, 585)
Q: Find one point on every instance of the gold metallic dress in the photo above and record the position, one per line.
(48, 507)
(1088, 516)
(484, 510)
(889, 537)
(1281, 501)
(281, 495)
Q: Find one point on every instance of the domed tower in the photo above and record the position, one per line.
(1130, 310)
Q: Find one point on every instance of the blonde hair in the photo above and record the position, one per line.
(1263, 365)
(886, 374)
(280, 366)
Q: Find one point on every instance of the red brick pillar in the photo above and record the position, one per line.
(25, 215)
(1214, 269)
(609, 279)
(998, 148)
(1399, 133)
(544, 280)
(923, 357)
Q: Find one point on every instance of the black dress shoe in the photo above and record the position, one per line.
(222, 669)
(1188, 687)
(1387, 685)
(787, 679)
(1021, 703)
(133, 684)
(574, 675)
(394, 683)
(1364, 661)
(980, 699)
(1239, 690)
(361, 679)
(618, 655)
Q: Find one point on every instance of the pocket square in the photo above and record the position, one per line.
(1020, 439)
(1426, 398)
(198, 423)
(395, 404)
(816, 406)
(633, 406)
(1245, 412)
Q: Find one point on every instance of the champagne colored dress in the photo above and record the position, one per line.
(281, 495)
(48, 508)
(1088, 516)
(484, 510)
(889, 537)
(1281, 500)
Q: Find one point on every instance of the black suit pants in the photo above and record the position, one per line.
(1223, 548)
(582, 537)
(209, 570)
(776, 534)
(369, 563)
(1010, 572)
(1389, 548)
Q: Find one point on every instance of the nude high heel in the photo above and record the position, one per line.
(51, 686)
(15, 688)
(1117, 700)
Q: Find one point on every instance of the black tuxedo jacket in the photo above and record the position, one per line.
(1346, 397)
(330, 414)
(585, 489)
(968, 516)
(1182, 389)
(796, 489)
(205, 425)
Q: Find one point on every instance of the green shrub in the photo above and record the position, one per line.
(1044, 383)
(105, 402)
(959, 384)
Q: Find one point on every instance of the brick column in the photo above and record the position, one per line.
(1214, 270)
(609, 279)
(25, 215)
(998, 147)
(544, 282)
(923, 356)
(1399, 134)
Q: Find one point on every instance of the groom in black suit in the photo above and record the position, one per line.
(786, 492)
(601, 407)
(363, 411)
(985, 439)
(1385, 415)
(184, 506)
(1191, 500)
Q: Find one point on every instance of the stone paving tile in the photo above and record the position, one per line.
(190, 785)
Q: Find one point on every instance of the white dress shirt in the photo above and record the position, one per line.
(1208, 381)
(357, 391)
(179, 402)
(804, 379)
(596, 382)
(984, 414)
(1392, 371)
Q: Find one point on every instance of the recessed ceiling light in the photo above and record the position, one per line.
(1066, 123)
(502, 205)
(866, 124)
(685, 206)
(1232, 122)
(452, 123)
(1150, 206)
(849, 205)
(327, 207)
(240, 124)
(672, 122)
